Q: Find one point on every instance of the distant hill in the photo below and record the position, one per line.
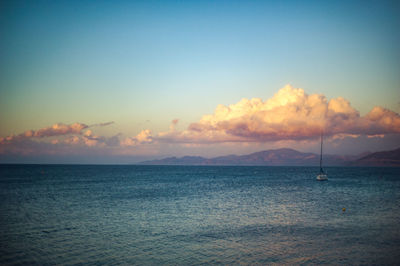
(383, 158)
(278, 157)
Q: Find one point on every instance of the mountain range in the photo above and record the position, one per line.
(287, 157)
(383, 158)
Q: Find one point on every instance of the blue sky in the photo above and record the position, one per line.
(142, 64)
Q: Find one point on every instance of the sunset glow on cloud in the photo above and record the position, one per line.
(42, 140)
(290, 115)
(58, 129)
(143, 137)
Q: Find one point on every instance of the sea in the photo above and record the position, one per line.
(198, 215)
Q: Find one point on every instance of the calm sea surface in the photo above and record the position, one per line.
(190, 215)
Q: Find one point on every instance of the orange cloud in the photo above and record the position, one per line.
(145, 136)
(91, 140)
(290, 114)
(70, 134)
(58, 129)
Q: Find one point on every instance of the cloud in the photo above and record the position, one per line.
(102, 124)
(383, 121)
(59, 134)
(290, 117)
(88, 138)
(290, 114)
(72, 140)
(144, 137)
(58, 129)
(173, 124)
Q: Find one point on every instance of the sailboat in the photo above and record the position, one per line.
(322, 176)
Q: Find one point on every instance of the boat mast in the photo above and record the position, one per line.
(320, 158)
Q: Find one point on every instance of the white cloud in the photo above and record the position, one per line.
(290, 114)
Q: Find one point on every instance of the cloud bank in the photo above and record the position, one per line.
(58, 129)
(290, 114)
(59, 136)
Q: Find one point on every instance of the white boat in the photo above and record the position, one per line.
(322, 176)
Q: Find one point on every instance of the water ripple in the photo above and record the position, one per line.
(153, 215)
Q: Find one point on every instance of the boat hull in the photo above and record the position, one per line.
(322, 177)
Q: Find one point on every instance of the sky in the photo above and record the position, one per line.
(126, 81)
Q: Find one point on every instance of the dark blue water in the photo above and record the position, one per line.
(189, 215)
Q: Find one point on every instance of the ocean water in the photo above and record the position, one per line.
(197, 215)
